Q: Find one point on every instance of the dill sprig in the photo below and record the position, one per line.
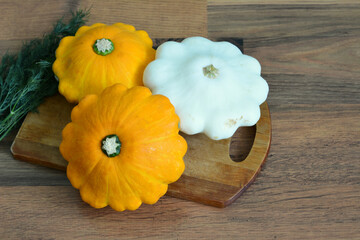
(26, 78)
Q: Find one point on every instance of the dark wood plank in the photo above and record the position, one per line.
(162, 19)
(310, 58)
(327, 57)
(58, 212)
(325, 152)
(307, 89)
(23, 21)
(314, 39)
(283, 20)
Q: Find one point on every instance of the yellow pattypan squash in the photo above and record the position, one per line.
(123, 147)
(99, 56)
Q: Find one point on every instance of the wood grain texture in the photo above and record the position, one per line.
(309, 53)
(277, 2)
(58, 212)
(309, 187)
(25, 20)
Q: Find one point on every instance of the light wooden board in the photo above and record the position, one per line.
(211, 176)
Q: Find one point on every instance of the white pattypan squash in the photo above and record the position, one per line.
(213, 86)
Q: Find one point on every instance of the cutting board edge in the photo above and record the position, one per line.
(252, 180)
(31, 159)
(263, 161)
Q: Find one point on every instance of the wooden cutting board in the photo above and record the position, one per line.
(211, 176)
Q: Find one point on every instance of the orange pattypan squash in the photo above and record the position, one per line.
(123, 147)
(99, 56)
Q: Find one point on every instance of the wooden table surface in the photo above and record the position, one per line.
(309, 187)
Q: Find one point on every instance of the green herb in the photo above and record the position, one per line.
(27, 78)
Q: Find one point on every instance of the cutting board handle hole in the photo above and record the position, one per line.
(243, 139)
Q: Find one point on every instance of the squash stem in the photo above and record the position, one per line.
(103, 46)
(110, 145)
(210, 71)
